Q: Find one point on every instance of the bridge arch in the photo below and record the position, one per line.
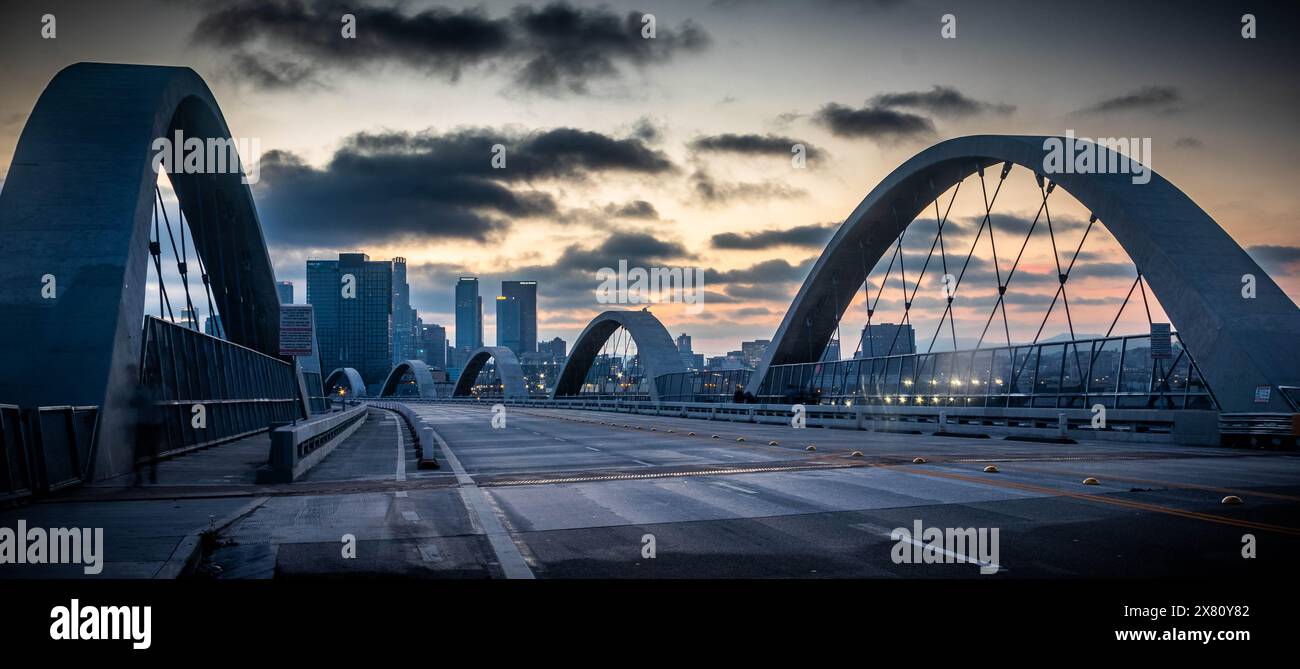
(347, 378)
(82, 178)
(655, 347)
(1192, 265)
(424, 383)
(507, 366)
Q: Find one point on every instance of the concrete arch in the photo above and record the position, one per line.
(654, 345)
(1194, 268)
(77, 204)
(507, 365)
(349, 379)
(424, 383)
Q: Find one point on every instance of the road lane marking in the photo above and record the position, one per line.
(401, 453)
(643, 462)
(592, 449)
(737, 488)
(952, 554)
(507, 554)
(401, 493)
(411, 516)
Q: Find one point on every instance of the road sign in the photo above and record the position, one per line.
(1263, 394)
(296, 326)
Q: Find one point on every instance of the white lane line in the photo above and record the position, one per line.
(592, 449)
(401, 454)
(401, 493)
(411, 516)
(558, 439)
(643, 462)
(737, 488)
(512, 562)
(429, 553)
(985, 567)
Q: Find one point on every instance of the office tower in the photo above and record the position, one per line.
(751, 352)
(508, 324)
(212, 326)
(285, 290)
(403, 318)
(525, 293)
(881, 339)
(832, 351)
(688, 356)
(353, 301)
(189, 319)
(469, 315)
(432, 345)
(684, 343)
(555, 349)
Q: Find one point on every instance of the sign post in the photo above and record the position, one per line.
(297, 324)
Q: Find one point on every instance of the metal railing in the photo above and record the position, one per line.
(44, 449)
(242, 391)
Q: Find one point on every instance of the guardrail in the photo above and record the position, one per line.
(1260, 429)
(297, 447)
(425, 443)
(1187, 426)
(44, 449)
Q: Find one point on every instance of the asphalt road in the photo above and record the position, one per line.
(576, 494)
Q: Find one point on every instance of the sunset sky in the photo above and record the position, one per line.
(676, 151)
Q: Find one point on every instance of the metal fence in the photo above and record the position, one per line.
(1117, 372)
(241, 390)
(44, 449)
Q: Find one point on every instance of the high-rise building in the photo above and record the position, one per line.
(189, 318)
(285, 290)
(212, 326)
(508, 326)
(690, 359)
(555, 349)
(683, 343)
(469, 315)
(431, 345)
(353, 300)
(403, 315)
(751, 352)
(881, 339)
(832, 351)
(525, 294)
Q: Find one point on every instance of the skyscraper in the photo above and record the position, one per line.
(508, 325)
(403, 318)
(285, 290)
(469, 314)
(883, 339)
(353, 300)
(431, 345)
(525, 294)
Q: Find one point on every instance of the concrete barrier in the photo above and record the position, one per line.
(425, 445)
(296, 448)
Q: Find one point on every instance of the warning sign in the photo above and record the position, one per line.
(296, 326)
(1161, 345)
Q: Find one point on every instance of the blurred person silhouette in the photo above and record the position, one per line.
(147, 420)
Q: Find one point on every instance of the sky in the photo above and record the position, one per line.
(676, 151)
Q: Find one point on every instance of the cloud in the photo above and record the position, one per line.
(814, 235)
(1188, 143)
(753, 145)
(775, 271)
(872, 122)
(554, 49)
(1163, 99)
(395, 185)
(942, 101)
(710, 191)
(1275, 258)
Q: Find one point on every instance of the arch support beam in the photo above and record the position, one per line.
(507, 366)
(419, 371)
(347, 378)
(1193, 266)
(654, 346)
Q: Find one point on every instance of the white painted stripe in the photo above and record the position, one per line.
(592, 449)
(402, 493)
(954, 555)
(503, 547)
(643, 462)
(411, 516)
(737, 488)
(401, 454)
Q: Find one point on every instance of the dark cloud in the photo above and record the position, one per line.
(713, 192)
(552, 49)
(633, 209)
(814, 235)
(774, 271)
(1276, 259)
(392, 185)
(751, 144)
(272, 73)
(1162, 99)
(1188, 143)
(942, 101)
(872, 122)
